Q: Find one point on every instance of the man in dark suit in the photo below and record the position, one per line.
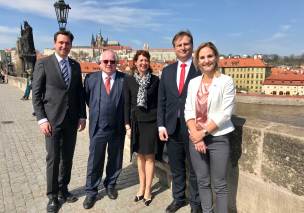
(104, 97)
(58, 101)
(171, 122)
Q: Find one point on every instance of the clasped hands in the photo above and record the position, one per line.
(197, 136)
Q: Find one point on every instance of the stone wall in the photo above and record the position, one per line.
(270, 99)
(266, 169)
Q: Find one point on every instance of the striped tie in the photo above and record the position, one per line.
(65, 72)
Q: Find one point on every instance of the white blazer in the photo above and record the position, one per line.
(220, 104)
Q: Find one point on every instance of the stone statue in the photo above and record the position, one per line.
(26, 49)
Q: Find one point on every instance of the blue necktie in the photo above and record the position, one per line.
(65, 71)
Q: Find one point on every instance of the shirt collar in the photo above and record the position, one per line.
(59, 59)
(104, 76)
(188, 62)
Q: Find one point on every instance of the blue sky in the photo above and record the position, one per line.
(235, 26)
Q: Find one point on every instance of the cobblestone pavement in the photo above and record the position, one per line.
(22, 167)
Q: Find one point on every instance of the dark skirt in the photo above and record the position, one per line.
(145, 140)
(147, 137)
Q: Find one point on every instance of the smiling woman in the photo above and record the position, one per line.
(208, 110)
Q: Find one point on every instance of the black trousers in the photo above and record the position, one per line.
(60, 148)
(179, 157)
(99, 143)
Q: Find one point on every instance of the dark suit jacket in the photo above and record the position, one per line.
(52, 99)
(130, 95)
(92, 84)
(169, 101)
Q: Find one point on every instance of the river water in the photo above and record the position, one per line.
(291, 115)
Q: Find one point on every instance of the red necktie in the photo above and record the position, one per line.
(182, 78)
(108, 84)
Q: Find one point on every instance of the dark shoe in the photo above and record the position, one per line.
(67, 197)
(196, 209)
(112, 193)
(175, 205)
(53, 205)
(33, 114)
(147, 201)
(138, 198)
(89, 202)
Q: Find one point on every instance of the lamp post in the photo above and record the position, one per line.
(62, 11)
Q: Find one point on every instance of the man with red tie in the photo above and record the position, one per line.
(171, 122)
(104, 97)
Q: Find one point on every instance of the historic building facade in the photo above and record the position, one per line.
(284, 82)
(248, 73)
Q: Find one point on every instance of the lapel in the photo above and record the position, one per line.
(213, 89)
(173, 84)
(99, 84)
(118, 84)
(73, 68)
(57, 68)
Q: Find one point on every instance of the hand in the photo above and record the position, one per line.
(128, 133)
(46, 128)
(163, 135)
(201, 147)
(196, 135)
(81, 124)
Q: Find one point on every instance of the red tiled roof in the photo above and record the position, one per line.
(88, 67)
(241, 62)
(285, 78)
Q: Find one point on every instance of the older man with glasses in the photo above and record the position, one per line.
(104, 97)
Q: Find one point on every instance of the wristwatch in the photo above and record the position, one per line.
(206, 132)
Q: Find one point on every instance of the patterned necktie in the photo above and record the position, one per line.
(65, 72)
(182, 78)
(108, 84)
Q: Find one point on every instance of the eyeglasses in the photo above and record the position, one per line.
(107, 61)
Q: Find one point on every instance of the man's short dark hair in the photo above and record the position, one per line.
(180, 34)
(64, 32)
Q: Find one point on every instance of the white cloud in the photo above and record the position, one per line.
(285, 27)
(8, 36)
(116, 14)
(277, 36)
(7, 30)
(122, 2)
(93, 3)
(7, 40)
(41, 7)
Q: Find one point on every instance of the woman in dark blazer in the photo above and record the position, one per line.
(140, 93)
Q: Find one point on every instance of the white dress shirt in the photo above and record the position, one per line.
(179, 63)
(104, 78)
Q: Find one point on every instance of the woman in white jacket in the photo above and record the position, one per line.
(208, 109)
